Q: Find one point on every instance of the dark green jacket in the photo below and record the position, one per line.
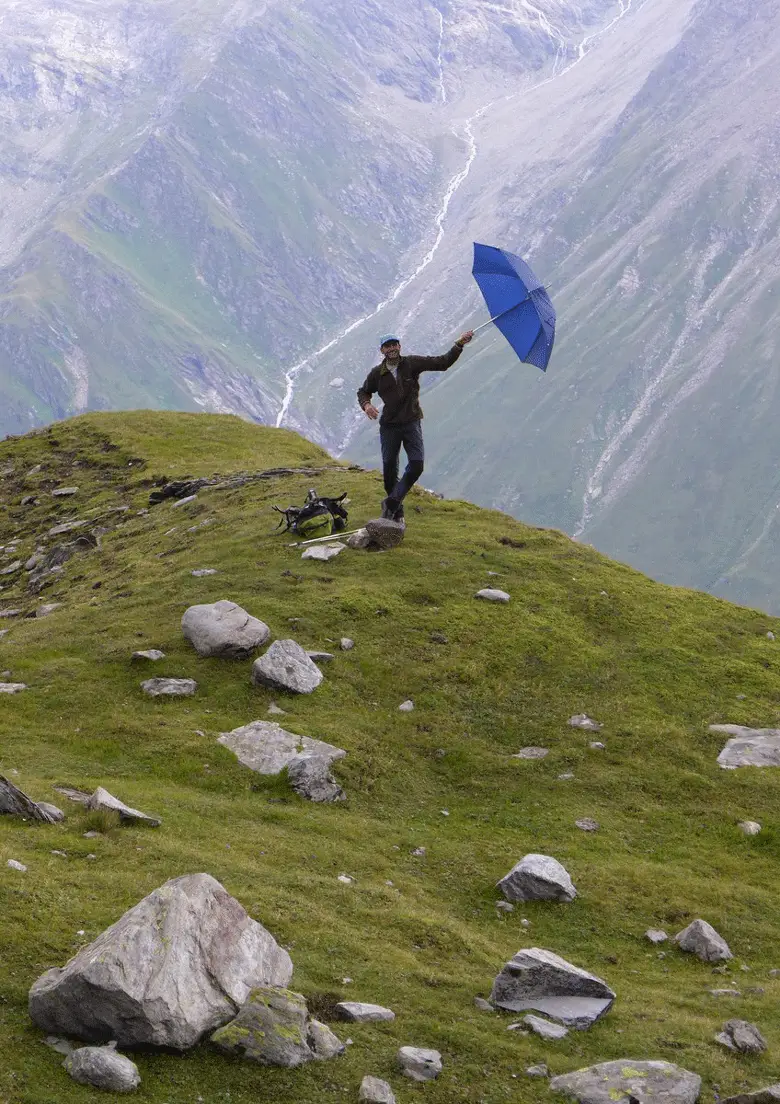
(401, 399)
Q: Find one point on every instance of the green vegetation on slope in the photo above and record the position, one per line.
(420, 934)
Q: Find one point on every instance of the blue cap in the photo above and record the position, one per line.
(383, 340)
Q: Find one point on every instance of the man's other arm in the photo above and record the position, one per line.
(364, 395)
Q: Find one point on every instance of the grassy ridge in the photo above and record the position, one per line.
(656, 665)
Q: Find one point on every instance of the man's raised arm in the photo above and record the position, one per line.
(442, 363)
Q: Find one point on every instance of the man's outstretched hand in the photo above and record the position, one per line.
(465, 338)
(371, 411)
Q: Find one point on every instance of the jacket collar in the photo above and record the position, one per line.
(385, 367)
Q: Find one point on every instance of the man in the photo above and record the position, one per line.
(397, 381)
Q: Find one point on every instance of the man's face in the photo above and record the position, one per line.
(391, 350)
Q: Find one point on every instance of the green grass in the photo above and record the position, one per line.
(656, 665)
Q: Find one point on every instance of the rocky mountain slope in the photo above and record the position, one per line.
(389, 896)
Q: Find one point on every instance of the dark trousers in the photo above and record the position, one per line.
(391, 437)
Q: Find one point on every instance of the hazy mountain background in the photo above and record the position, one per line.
(198, 199)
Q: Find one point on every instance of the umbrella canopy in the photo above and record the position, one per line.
(518, 303)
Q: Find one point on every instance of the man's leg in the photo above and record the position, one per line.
(390, 439)
(415, 455)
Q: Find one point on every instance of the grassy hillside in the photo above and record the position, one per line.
(654, 664)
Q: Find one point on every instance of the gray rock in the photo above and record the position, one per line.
(656, 936)
(538, 878)
(346, 644)
(540, 1070)
(541, 981)
(544, 1029)
(275, 711)
(34, 560)
(309, 775)
(10, 613)
(701, 939)
(406, 707)
(768, 1095)
(356, 1012)
(47, 608)
(171, 970)
(322, 552)
(725, 993)
(375, 1091)
(532, 753)
(65, 492)
(483, 1005)
(285, 666)
(491, 594)
(14, 864)
(184, 501)
(504, 906)
(62, 1046)
(12, 568)
(270, 1028)
(267, 748)
(320, 657)
(629, 1080)
(15, 802)
(741, 1036)
(12, 687)
(153, 655)
(385, 534)
(102, 799)
(587, 824)
(324, 1043)
(419, 1064)
(750, 747)
(203, 572)
(223, 630)
(749, 827)
(53, 814)
(169, 687)
(65, 527)
(596, 745)
(103, 1068)
(360, 539)
(582, 720)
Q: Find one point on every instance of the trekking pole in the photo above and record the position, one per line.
(322, 540)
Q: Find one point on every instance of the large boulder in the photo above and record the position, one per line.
(309, 775)
(701, 939)
(287, 667)
(384, 534)
(628, 1080)
(749, 747)
(538, 878)
(266, 747)
(176, 966)
(419, 1064)
(742, 1036)
(103, 1068)
(539, 980)
(375, 1091)
(223, 630)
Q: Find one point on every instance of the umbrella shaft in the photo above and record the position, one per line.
(501, 314)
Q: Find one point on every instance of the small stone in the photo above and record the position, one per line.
(483, 1005)
(65, 527)
(346, 644)
(742, 1036)
(566, 776)
(16, 865)
(357, 1012)
(587, 824)
(375, 1091)
(491, 594)
(596, 745)
(385, 534)
(223, 630)
(169, 687)
(725, 993)
(12, 687)
(544, 1028)
(62, 1046)
(749, 827)
(47, 608)
(656, 935)
(12, 568)
(103, 1068)
(532, 753)
(439, 638)
(10, 613)
(418, 852)
(540, 1070)
(285, 666)
(60, 854)
(275, 711)
(701, 939)
(320, 657)
(504, 906)
(323, 552)
(360, 539)
(202, 572)
(770, 635)
(538, 878)
(582, 720)
(65, 492)
(323, 1042)
(184, 501)
(345, 879)
(53, 814)
(153, 655)
(420, 1064)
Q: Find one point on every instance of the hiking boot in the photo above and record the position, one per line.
(399, 516)
(389, 508)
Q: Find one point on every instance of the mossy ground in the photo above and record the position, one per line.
(419, 934)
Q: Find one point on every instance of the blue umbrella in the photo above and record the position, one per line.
(518, 303)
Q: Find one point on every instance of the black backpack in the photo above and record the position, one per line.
(318, 517)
